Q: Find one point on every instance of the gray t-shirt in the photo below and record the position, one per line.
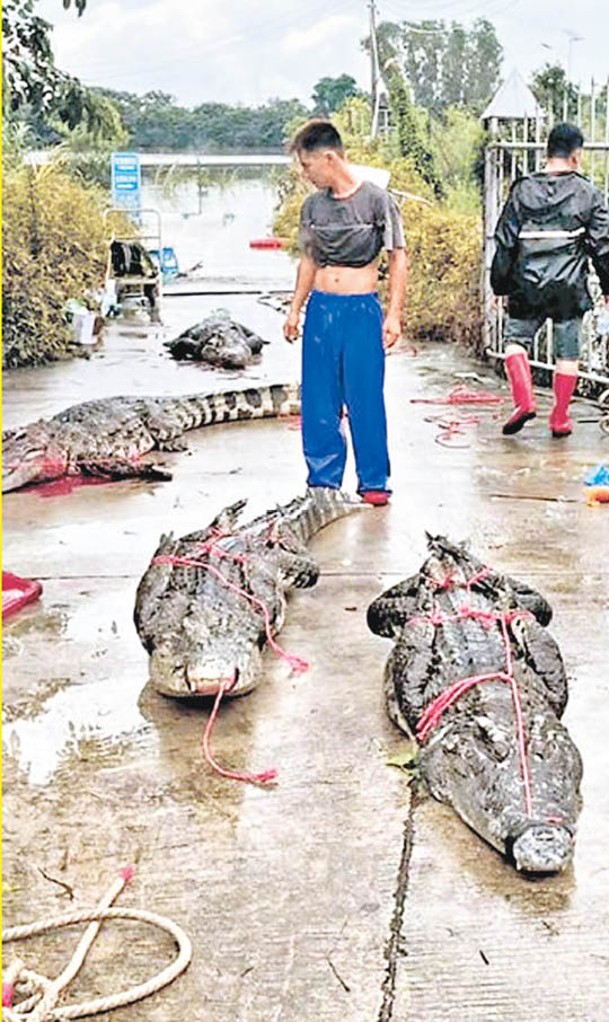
(350, 232)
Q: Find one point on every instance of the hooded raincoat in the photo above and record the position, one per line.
(550, 226)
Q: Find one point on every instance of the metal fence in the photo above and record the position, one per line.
(519, 150)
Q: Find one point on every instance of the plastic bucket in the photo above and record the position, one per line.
(83, 327)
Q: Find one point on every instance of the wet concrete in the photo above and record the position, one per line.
(336, 895)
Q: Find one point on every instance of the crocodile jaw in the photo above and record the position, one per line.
(543, 848)
(205, 677)
(33, 467)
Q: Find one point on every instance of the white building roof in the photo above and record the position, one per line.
(512, 101)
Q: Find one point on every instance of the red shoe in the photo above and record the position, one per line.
(377, 497)
(521, 384)
(560, 422)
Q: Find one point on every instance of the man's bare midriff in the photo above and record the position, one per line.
(347, 280)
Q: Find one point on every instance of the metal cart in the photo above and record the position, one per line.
(132, 276)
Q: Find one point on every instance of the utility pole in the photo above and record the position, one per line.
(374, 71)
(573, 37)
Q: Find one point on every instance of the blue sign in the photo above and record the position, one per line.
(126, 180)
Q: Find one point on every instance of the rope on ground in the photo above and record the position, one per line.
(266, 777)
(43, 994)
(449, 427)
(53, 989)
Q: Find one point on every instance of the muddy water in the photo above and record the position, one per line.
(211, 226)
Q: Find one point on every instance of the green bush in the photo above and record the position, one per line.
(54, 249)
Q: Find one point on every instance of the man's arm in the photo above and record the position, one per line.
(304, 282)
(399, 264)
(506, 240)
(597, 243)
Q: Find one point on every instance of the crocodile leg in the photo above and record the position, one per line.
(118, 469)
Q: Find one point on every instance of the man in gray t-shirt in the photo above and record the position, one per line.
(343, 228)
(351, 231)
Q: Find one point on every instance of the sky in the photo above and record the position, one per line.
(248, 52)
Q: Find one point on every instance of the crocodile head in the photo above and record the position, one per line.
(543, 848)
(31, 455)
(193, 671)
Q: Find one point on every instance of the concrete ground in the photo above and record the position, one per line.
(340, 895)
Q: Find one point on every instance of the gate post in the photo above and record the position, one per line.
(490, 329)
(508, 119)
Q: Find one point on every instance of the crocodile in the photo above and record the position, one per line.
(107, 437)
(219, 341)
(457, 620)
(209, 601)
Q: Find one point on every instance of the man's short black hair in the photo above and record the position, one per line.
(564, 139)
(316, 134)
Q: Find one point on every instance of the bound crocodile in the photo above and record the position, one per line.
(218, 341)
(108, 437)
(457, 620)
(209, 601)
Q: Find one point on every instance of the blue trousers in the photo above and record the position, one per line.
(343, 365)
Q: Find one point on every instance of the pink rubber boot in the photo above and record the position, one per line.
(521, 384)
(560, 422)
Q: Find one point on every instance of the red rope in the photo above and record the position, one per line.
(449, 429)
(450, 581)
(212, 548)
(266, 777)
(434, 711)
(461, 395)
(295, 662)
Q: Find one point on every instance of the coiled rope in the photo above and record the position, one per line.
(42, 994)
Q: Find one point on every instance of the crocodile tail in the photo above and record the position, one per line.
(249, 403)
(320, 506)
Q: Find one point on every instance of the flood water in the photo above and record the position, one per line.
(210, 217)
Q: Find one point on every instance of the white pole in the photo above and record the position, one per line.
(374, 69)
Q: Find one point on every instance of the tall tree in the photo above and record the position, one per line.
(34, 88)
(410, 136)
(28, 69)
(330, 93)
(445, 65)
(549, 86)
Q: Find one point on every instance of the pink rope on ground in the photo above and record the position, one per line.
(461, 395)
(452, 428)
(266, 777)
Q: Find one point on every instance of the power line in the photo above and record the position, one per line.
(485, 10)
(195, 51)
